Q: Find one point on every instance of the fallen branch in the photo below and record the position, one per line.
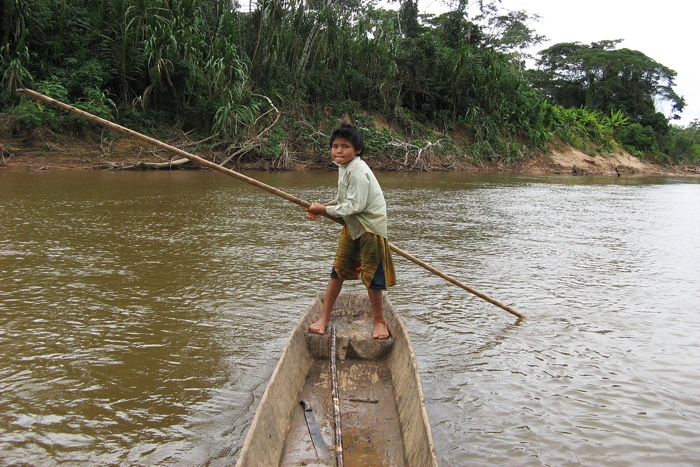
(240, 152)
(261, 116)
(164, 165)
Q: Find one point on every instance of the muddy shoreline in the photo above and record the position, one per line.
(70, 153)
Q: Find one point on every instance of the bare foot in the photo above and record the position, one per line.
(319, 327)
(381, 331)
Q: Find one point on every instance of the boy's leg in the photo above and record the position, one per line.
(335, 284)
(376, 297)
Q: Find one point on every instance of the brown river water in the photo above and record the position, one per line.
(141, 314)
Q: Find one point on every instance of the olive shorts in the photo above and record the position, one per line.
(367, 258)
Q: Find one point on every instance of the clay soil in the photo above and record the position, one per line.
(61, 152)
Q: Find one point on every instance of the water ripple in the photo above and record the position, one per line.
(142, 314)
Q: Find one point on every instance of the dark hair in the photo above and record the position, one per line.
(352, 134)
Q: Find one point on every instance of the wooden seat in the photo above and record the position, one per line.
(354, 340)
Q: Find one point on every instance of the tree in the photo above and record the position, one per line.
(205, 65)
(14, 52)
(508, 31)
(601, 77)
(682, 145)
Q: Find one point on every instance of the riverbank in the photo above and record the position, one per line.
(62, 152)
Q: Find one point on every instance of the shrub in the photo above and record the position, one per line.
(32, 114)
(637, 139)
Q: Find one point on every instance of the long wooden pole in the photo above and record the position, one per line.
(250, 181)
(339, 462)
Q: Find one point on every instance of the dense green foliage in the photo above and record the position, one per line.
(603, 78)
(289, 69)
(624, 84)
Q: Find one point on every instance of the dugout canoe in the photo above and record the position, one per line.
(380, 402)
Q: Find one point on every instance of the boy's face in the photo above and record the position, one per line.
(343, 151)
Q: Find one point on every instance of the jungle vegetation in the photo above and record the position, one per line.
(282, 72)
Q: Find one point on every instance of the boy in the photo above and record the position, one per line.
(363, 249)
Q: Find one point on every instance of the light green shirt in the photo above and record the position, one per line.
(360, 201)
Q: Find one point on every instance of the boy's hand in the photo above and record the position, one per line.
(315, 211)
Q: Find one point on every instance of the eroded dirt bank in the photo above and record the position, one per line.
(65, 152)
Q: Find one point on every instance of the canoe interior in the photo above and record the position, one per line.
(383, 416)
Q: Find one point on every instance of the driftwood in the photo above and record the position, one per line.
(184, 143)
(576, 170)
(165, 165)
(623, 169)
(140, 165)
(424, 159)
(178, 163)
(247, 147)
(172, 164)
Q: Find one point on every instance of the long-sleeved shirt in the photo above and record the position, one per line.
(360, 200)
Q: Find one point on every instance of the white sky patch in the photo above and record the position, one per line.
(664, 31)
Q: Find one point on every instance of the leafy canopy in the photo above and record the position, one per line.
(601, 77)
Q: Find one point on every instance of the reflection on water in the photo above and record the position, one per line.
(141, 314)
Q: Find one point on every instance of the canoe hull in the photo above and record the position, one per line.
(384, 420)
